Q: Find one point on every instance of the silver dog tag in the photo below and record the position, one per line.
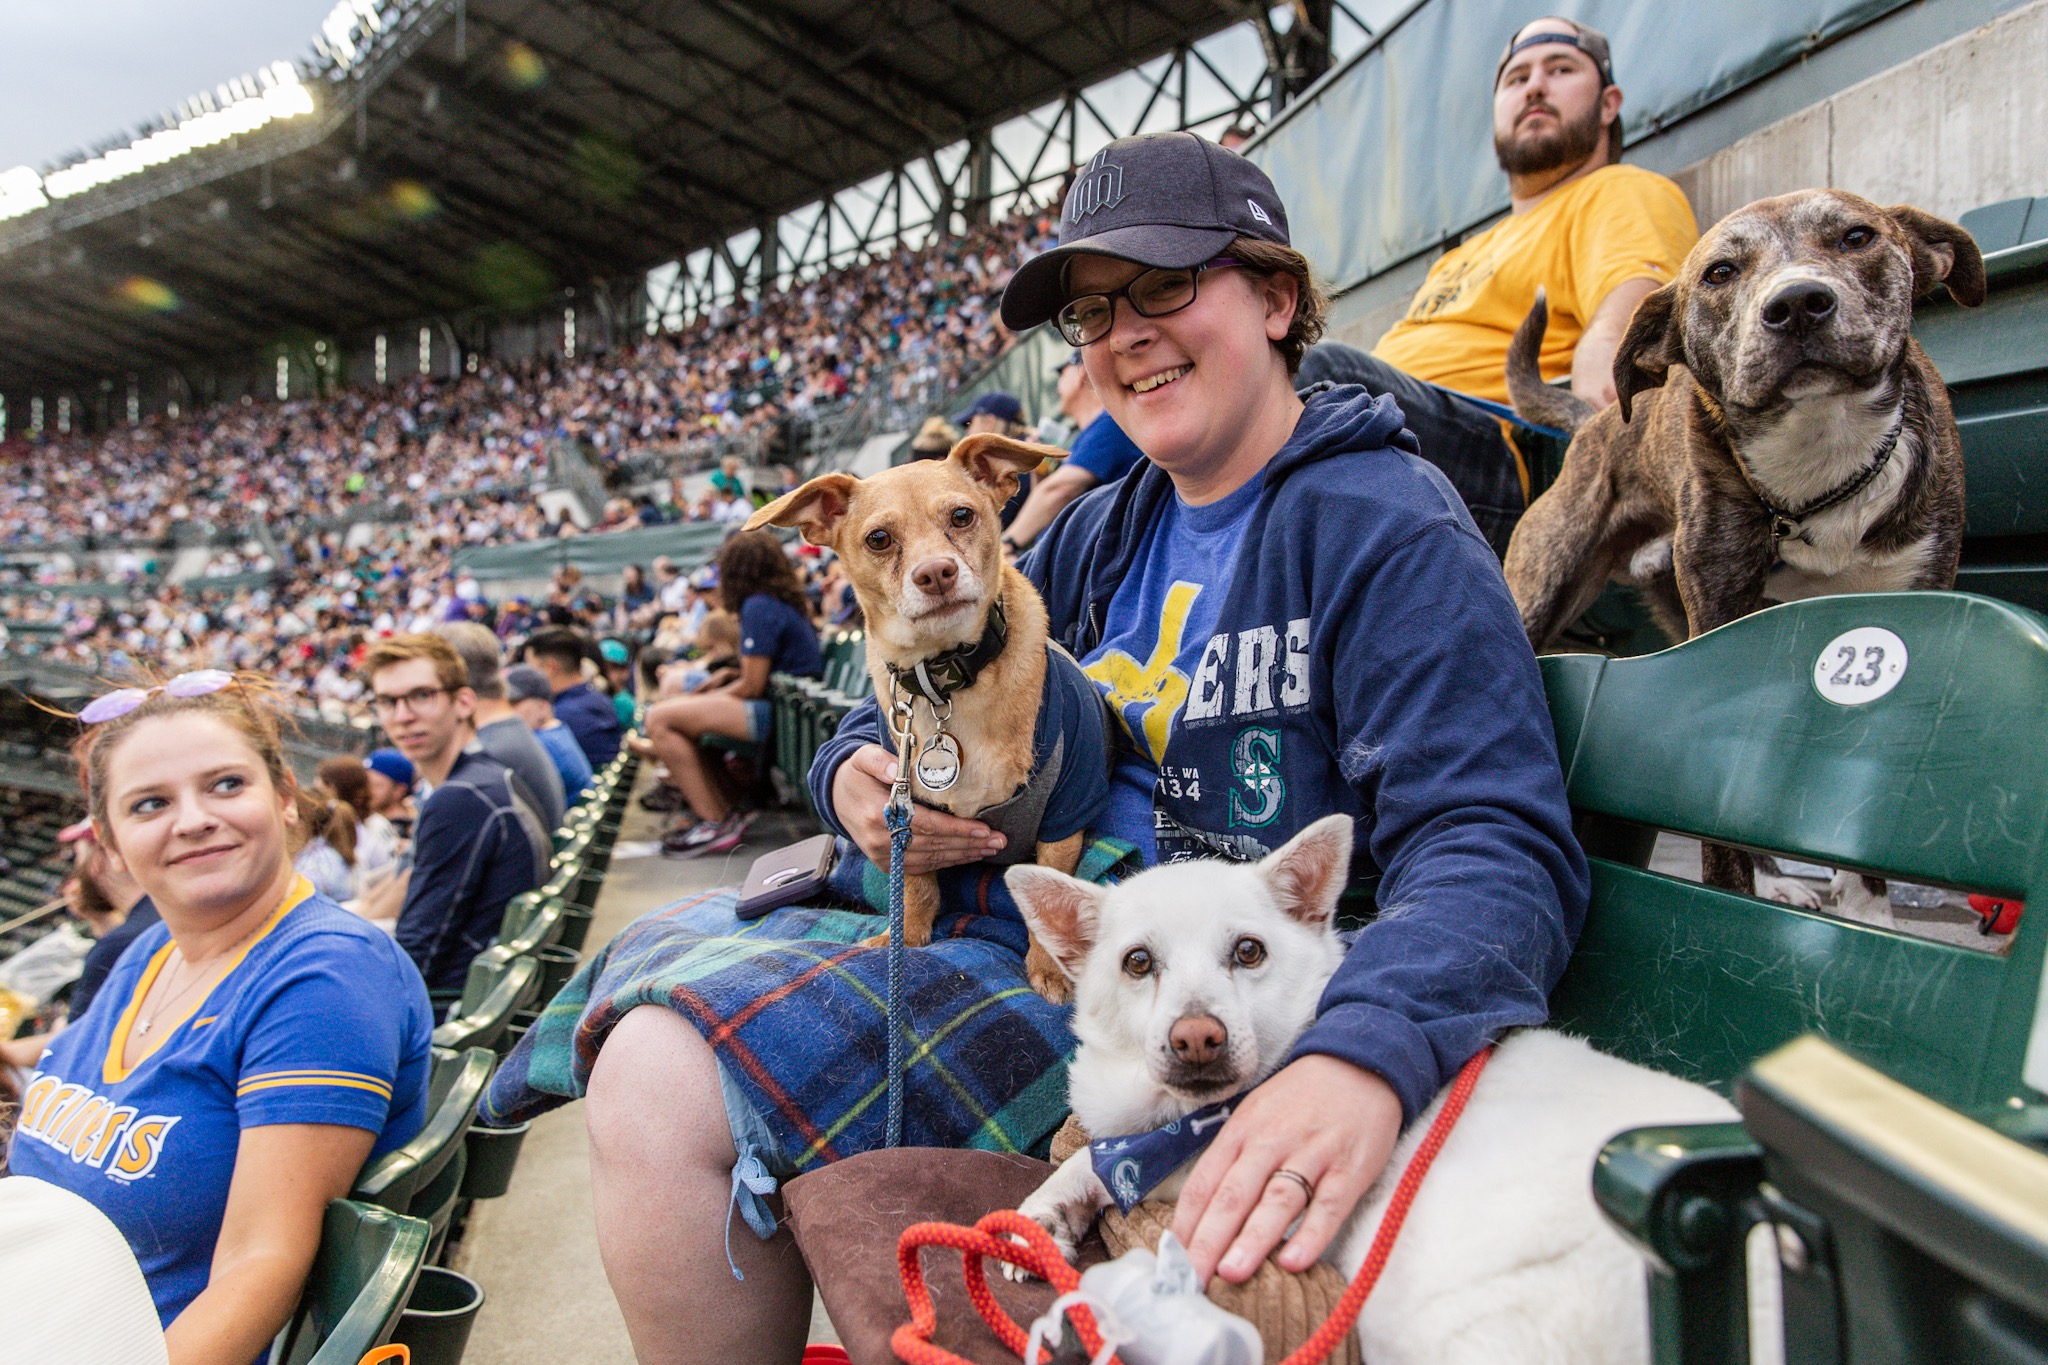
(938, 763)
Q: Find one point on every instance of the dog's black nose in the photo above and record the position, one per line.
(935, 576)
(1198, 1039)
(1799, 306)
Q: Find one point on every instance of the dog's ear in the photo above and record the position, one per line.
(1649, 348)
(996, 461)
(1063, 912)
(1307, 873)
(1943, 253)
(816, 509)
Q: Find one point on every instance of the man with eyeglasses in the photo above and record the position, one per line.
(1595, 235)
(477, 842)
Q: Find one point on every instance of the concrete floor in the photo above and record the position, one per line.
(534, 1251)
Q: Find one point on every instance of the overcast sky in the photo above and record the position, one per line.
(75, 71)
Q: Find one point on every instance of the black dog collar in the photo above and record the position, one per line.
(1785, 523)
(940, 676)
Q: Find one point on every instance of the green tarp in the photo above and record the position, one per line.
(689, 544)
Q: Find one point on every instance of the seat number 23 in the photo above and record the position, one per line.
(1859, 666)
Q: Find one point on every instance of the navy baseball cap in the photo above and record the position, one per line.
(1170, 200)
(391, 765)
(994, 403)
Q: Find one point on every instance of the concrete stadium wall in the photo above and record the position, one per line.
(1906, 110)
(1962, 125)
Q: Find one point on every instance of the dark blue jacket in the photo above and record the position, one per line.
(593, 719)
(476, 845)
(1367, 659)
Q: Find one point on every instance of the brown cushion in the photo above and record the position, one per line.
(848, 1216)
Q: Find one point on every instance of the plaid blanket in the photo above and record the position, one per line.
(795, 1006)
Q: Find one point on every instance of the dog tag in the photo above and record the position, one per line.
(1859, 666)
(938, 762)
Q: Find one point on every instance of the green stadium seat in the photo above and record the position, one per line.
(499, 983)
(1907, 1231)
(421, 1178)
(531, 921)
(361, 1277)
(1728, 738)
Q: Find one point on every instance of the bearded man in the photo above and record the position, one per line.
(1595, 235)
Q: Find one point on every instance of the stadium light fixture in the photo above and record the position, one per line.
(240, 106)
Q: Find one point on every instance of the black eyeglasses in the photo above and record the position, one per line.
(414, 701)
(1154, 294)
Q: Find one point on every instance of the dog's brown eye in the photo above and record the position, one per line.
(1720, 272)
(878, 541)
(963, 517)
(1137, 962)
(1249, 952)
(1857, 237)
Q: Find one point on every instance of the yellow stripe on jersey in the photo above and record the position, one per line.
(374, 1087)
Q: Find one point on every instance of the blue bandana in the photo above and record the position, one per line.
(1132, 1167)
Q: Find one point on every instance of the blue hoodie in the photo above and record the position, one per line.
(1367, 659)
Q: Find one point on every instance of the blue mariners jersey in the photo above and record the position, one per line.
(1154, 638)
(321, 1018)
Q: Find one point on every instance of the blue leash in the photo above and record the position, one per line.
(898, 818)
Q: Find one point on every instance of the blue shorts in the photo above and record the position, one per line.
(760, 716)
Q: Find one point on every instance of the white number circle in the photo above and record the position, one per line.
(1859, 666)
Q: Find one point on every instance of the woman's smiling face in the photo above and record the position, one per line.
(193, 815)
(1188, 387)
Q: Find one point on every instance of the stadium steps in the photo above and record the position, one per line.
(534, 1249)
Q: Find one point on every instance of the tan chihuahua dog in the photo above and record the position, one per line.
(953, 632)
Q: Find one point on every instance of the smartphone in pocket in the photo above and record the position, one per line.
(788, 876)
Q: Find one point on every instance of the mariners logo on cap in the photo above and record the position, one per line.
(1099, 186)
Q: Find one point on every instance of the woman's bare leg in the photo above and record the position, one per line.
(673, 728)
(661, 1159)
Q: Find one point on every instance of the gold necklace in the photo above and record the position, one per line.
(143, 1026)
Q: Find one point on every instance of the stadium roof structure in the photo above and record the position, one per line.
(459, 153)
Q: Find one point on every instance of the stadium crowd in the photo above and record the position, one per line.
(1355, 605)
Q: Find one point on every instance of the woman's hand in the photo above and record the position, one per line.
(860, 795)
(1332, 1123)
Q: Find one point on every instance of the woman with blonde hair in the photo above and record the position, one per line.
(250, 1053)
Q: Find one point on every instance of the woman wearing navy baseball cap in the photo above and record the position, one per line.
(1290, 614)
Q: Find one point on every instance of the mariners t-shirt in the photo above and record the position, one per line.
(319, 1019)
(1619, 223)
(1154, 640)
(770, 628)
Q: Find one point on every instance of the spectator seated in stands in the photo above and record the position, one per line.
(532, 698)
(250, 1052)
(1099, 453)
(327, 858)
(1290, 615)
(114, 910)
(616, 661)
(499, 732)
(347, 780)
(477, 842)
(558, 653)
(760, 586)
(1595, 235)
(1003, 414)
(391, 779)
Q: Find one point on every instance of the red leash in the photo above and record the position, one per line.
(989, 1240)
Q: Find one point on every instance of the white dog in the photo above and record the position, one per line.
(1192, 982)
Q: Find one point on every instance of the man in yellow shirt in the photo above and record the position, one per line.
(1594, 234)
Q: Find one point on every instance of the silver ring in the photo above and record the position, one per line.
(1306, 1188)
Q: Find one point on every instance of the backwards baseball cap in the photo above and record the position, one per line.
(1167, 200)
(390, 765)
(994, 403)
(1569, 33)
(524, 682)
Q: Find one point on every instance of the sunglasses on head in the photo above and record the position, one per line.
(1154, 294)
(119, 703)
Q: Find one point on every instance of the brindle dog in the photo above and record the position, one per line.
(1778, 435)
